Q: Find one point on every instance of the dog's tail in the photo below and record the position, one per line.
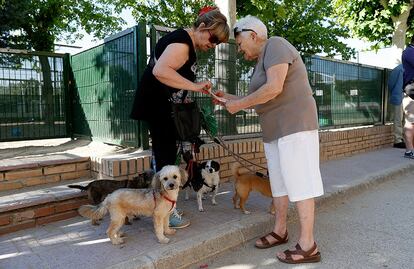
(235, 169)
(94, 212)
(82, 188)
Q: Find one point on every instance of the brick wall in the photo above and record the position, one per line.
(333, 144)
(19, 219)
(42, 173)
(340, 143)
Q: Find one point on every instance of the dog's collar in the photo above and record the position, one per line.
(166, 198)
(169, 200)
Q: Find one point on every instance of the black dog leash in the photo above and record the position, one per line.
(236, 156)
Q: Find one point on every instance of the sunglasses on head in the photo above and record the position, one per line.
(237, 31)
(213, 39)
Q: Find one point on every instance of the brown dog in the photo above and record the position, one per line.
(157, 202)
(98, 190)
(244, 183)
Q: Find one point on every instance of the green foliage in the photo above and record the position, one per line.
(373, 20)
(171, 13)
(304, 23)
(209, 121)
(38, 24)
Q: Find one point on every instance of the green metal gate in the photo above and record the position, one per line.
(33, 95)
(106, 78)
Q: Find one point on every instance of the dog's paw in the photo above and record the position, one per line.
(170, 231)
(201, 209)
(237, 207)
(214, 202)
(117, 241)
(246, 212)
(121, 234)
(164, 240)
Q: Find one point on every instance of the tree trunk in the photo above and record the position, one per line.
(225, 69)
(47, 91)
(400, 30)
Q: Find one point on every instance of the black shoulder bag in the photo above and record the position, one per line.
(187, 119)
(187, 116)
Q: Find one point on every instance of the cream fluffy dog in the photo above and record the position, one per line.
(157, 202)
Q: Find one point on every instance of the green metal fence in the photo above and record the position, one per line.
(346, 94)
(33, 90)
(34, 98)
(105, 82)
(106, 77)
(229, 72)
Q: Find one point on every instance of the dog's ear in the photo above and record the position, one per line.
(183, 175)
(215, 165)
(187, 156)
(147, 175)
(156, 182)
(203, 165)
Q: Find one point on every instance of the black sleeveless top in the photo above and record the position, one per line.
(152, 98)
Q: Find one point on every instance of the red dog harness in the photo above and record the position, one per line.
(166, 198)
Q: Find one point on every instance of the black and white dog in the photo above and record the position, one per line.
(203, 178)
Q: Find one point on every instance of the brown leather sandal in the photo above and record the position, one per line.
(307, 255)
(266, 243)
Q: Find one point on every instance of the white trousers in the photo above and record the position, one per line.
(293, 164)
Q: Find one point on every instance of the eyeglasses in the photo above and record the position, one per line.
(213, 39)
(237, 31)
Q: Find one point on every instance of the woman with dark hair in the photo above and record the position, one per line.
(170, 74)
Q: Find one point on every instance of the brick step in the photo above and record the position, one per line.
(31, 171)
(38, 205)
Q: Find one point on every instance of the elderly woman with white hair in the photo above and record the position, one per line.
(279, 91)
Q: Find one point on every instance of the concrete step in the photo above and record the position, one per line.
(23, 172)
(38, 205)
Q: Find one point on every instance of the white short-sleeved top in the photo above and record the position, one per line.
(294, 110)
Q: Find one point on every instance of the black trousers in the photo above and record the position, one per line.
(164, 146)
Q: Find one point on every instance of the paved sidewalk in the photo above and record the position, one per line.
(75, 243)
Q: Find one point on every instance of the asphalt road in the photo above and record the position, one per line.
(372, 229)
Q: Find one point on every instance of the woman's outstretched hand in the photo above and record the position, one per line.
(221, 100)
(233, 106)
(203, 86)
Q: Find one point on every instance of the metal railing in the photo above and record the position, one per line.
(33, 90)
(104, 79)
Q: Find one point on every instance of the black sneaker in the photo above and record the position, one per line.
(409, 154)
(399, 145)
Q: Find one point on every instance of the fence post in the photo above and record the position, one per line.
(140, 49)
(384, 93)
(68, 93)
